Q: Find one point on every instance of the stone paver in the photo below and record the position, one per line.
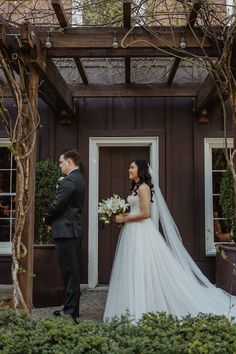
(92, 306)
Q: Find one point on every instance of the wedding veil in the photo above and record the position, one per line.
(173, 238)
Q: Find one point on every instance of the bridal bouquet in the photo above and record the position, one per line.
(109, 207)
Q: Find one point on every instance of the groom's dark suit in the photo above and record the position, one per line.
(65, 218)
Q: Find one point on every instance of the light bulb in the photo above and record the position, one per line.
(115, 43)
(182, 42)
(182, 45)
(32, 34)
(48, 43)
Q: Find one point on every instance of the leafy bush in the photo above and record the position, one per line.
(161, 333)
(47, 175)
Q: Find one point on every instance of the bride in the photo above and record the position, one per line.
(152, 273)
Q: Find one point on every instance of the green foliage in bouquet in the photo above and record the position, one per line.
(227, 198)
(47, 176)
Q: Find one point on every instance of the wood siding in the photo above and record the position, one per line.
(181, 154)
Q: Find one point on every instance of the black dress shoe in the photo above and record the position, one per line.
(75, 320)
(57, 313)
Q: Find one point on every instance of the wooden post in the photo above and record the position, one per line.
(26, 277)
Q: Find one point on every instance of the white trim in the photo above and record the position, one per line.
(4, 142)
(5, 247)
(94, 144)
(209, 144)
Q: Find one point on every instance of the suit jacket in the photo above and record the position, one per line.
(65, 212)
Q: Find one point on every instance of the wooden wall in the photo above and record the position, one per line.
(181, 153)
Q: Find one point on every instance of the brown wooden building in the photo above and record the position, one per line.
(166, 123)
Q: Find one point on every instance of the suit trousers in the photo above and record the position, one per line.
(68, 251)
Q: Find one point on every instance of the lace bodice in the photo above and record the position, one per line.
(133, 201)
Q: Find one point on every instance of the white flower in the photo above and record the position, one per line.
(110, 207)
(60, 179)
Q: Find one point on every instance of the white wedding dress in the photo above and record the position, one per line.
(147, 276)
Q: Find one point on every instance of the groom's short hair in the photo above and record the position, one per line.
(72, 154)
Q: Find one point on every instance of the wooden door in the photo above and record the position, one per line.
(114, 164)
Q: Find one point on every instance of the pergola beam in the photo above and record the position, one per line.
(115, 90)
(97, 42)
(173, 70)
(64, 22)
(190, 23)
(194, 13)
(3, 42)
(47, 70)
(127, 24)
(205, 93)
(50, 73)
(127, 13)
(135, 90)
(80, 67)
(60, 13)
(127, 52)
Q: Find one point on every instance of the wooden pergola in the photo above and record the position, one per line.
(98, 42)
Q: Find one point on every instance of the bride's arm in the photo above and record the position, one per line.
(144, 201)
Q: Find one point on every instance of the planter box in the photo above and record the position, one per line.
(48, 289)
(226, 268)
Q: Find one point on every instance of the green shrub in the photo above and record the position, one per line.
(155, 333)
(47, 175)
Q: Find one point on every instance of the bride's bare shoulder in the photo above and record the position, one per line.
(144, 188)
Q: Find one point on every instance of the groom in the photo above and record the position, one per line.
(64, 218)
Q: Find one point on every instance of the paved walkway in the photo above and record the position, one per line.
(92, 305)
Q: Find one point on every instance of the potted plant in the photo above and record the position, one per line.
(226, 252)
(48, 288)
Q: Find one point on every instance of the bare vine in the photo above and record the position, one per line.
(22, 135)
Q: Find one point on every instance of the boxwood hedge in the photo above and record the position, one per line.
(155, 333)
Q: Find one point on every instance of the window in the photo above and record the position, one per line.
(7, 197)
(215, 165)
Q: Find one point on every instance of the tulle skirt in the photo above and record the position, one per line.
(146, 277)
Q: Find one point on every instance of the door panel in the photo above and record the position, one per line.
(114, 164)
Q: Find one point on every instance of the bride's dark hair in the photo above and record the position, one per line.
(144, 175)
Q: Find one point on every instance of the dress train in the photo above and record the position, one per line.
(148, 277)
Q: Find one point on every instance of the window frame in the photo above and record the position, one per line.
(5, 247)
(209, 144)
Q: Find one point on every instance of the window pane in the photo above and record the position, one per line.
(221, 231)
(13, 182)
(7, 197)
(217, 176)
(5, 230)
(221, 227)
(218, 159)
(5, 181)
(13, 163)
(7, 206)
(216, 207)
(5, 158)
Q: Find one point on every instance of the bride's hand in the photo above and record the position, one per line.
(120, 218)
